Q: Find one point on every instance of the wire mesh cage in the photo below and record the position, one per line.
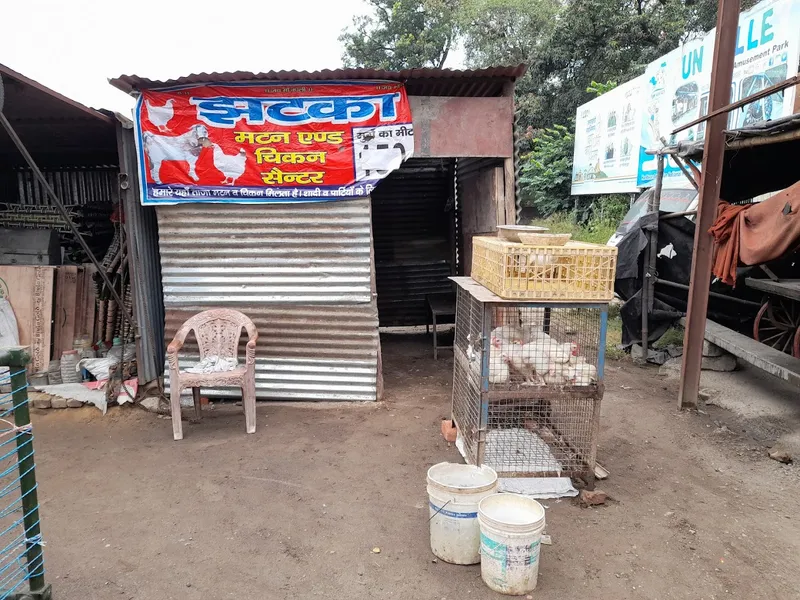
(527, 383)
(21, 560)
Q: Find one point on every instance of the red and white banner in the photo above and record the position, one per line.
(270, 142)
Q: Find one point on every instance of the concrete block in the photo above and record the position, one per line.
(674, 351)
(154, 404)
(710, 349)
(671, 368)
(725, 362)
(72, 403)
(58, 402)
(41, 403)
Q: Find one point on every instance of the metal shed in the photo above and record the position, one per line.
(319, 278)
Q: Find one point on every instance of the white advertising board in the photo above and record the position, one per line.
(607, 140)
(676, 87)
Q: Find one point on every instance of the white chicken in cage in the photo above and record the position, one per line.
(562, 353)
(536, 356)
(580, 372)
(507, 334)
(499, 371)
(514, 356)
(557, 374)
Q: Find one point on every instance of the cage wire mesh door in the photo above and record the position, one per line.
(21, 558)
(527, 383)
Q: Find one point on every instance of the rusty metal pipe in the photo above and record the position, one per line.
(710, 184)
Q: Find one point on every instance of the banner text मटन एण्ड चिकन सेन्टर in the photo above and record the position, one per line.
(270, 143)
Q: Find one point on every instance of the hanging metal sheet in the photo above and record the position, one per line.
(72, 186)
(142, 240)
(301, 272)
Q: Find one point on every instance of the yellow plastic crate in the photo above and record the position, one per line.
(575, 272)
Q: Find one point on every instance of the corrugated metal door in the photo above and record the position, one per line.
(414, 228)
(301, 272)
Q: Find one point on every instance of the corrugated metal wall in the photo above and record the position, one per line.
(414, 228)
(301, 272)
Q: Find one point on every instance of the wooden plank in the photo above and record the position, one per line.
(788, 288)
(482, 294)
(498, 197)
(510, 199)
(87, 302)
(29, 290)
(65, 313)
(757, 354)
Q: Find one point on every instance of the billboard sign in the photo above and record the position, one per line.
(607, 140)
(257, 143)
(676, 87)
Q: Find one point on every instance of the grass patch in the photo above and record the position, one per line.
(672, 337)
(614, 338)
(595, 231)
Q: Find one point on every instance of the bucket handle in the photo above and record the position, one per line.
(441, 508)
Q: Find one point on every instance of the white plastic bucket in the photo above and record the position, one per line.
(454, 491)
(511, 532)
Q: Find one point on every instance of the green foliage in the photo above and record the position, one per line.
(575, 50)
(595, 230)
(401, 34)
(546, 174)
(510, 32)
(672, 337)
(601, 88)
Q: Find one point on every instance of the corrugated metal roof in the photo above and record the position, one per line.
(301, 272)
(419, 82)
(56, 130)
(759, 158)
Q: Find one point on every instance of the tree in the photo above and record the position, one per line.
(401, 34)
(546, 174)
(567, 44)
(601, 88)
(510, 32)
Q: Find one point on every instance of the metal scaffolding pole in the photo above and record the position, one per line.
(649, 259)
(713, 157)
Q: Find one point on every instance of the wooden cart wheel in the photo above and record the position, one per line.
(796, 344)
(777, 324)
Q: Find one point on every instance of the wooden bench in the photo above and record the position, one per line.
(759, 355)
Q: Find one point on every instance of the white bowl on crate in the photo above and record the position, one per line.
(544, 239)
(511, 233)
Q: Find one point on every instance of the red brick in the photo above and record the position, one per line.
(449, 431)
(592, 498)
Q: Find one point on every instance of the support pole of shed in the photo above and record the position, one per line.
(713, 155)
(649, 258)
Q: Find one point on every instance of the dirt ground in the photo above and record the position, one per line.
(294, 511)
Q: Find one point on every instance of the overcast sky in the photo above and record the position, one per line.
(74, 46)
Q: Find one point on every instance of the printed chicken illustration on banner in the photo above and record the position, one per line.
(271, 142)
